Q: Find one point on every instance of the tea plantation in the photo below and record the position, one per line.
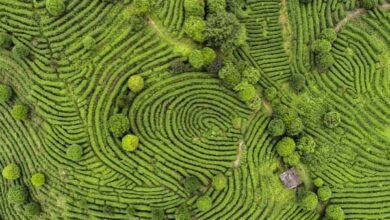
(192, 109)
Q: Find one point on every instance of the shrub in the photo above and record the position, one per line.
(306, 144)
(276, 127)
(195, 58)
(19, 112)
(219, 182)
(194, 8)
(119, 124)
(130, 142)
(20, 50)
(271, 93)
(74, 152)
(251, 75)
(216, 65)
(141, 6)
(325, 61)
(204, 203)
(38, 179)
(298, 81)
(11, 171)
(229, 75)
(216, 6)
(321, 46)
(334, 212)
(332, 119)
(136, 83)
(368, 4)
(5, 40)
(5, 93)
(294, 127)
(285, 113)
(324, 193)
(329, 34)
(183, 213)
(192, 184)
(309, 200)
(246, 91)
(157, 214)
(194, 27)
(208, 55)
(318, 182)
(293, 159)
(17, 194)
(55, 7)
(89, 43)
(285, 147)
(32, 209)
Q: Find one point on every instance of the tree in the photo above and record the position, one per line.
(325, 61)
(157, 214)
(297, 81)
(195, 58)
(246, 91)
(136, 83)
(141, 6)
(329, 34)
(183, 213)
(130, 142)
(119, 124)
(55, 7)
(285, 147)
(17, 194)
(324, 193)
(229, 75)
(5, 40)
(276, 127)
(334, 212)
(309, 200)
(332, 119)
(89, 43)
(251, 75)
(204, 203)
(219, 181)
(306, 144)
(38, 179)
(5, 93)
(321, 46)
(208, 55)
(32, 209)
(11, 172)
(194, 27)
(20, 51)
(318, 182)
(19, 112)
(192, 184)
(194, 8)
(294, 127)
(271, 93)
(216, 6)
(293, 159)
(368, 4)
(74, 152)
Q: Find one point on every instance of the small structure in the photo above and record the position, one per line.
(290, 178)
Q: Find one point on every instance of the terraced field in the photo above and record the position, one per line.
(192, 109)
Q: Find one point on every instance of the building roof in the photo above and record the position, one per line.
(290, 178)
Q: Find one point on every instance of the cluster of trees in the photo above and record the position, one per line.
(119, 125)
(18, 111)
(18, 194)
(201, 58)
(292, 151)
(322, 47)
(285, 121)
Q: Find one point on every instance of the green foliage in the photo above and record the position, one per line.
(194, 27)
(157, 214)
(195, 58)
(141, 6)
(17, 194)
(246, 91)
(368, 4)
(38, 179)
(294, 127)
(321, 46)
(306, 144)
(74, 152)
(5, 93)
(216, 6)
(318, 182)
(119, 124)
(271, 93)
(208, 55)
(183, 213)
(11, 171)
(309, 200)
(229, 75)
(276, 127)
(329, 34)
(5, 40)
(130, 142)
(293, 159)
(20, 50)
(285, 147)
(204, 203)
(332, 119)
(136, 83)
(55, 7)
(192, 184)
(251, 75)
(19, 112)
(324, 193)
(32, 209)
(89, 43)
(325, 61)
(298, 81)
(219, 182)
(194, 8)
(334, 212)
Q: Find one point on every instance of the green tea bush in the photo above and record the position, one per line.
(194, 27)
(74, 152)
(332, 119)
(192, 184)
(276, 127)
(55, 7)
(5, 93)
(324, 193)
(5, 40)
(285, 147)
(11, 171)
(119, 124)
(334, 212)
(19, 112)
(136, 83)
(38, 179)
(219, 182)
(204, 203)
(130, 142)
(32, 209)
(17, 195)
(194, 8)
(309, 200)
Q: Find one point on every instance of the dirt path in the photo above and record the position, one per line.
(241, 146)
